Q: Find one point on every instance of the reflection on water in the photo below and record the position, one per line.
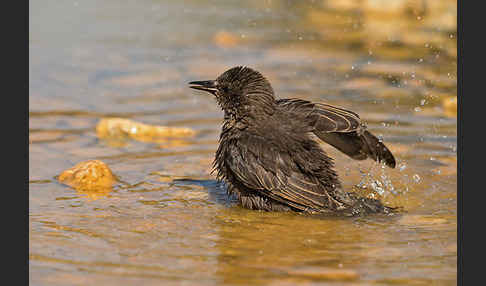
(169, 221)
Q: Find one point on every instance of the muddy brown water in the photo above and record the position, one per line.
(170, 222)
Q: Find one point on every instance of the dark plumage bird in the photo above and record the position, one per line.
(268, 158)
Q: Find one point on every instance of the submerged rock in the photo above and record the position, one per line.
(89, 176)
(119, 128)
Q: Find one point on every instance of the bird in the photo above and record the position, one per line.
(267, 154)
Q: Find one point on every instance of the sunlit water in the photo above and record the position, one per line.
(169, 222)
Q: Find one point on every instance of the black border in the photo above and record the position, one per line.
(15, 151)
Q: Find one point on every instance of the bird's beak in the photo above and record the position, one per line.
(207, 85)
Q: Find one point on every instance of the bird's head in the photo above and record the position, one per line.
(240, 91)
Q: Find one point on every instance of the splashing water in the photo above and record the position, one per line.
(379, 182)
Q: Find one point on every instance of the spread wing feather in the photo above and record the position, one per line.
(324, 117)
(340, 128)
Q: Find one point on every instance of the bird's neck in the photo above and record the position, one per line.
(234, 120)
(247, 116)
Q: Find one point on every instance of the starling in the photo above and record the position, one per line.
(268, 157)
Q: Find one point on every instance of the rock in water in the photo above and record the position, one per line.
(92, 175)
(116, 128)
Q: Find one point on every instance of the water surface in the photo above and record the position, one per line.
(170, 222)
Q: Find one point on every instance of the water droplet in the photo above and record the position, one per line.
(420, 60)
(417, 109)
(378, 187)
(416, 178)
(422, 102)
(402, 167)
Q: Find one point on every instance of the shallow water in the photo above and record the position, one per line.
(169, 222)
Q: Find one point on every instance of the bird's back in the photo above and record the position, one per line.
(279, 159)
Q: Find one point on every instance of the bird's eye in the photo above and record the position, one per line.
(224, 89)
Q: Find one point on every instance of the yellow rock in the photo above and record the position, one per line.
(450, 106)
(89, 176)
(116, 128)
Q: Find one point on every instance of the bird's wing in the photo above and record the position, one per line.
(340, 128)
(261, 167)
(324, 117)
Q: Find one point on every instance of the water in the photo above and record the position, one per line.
(170, 222)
